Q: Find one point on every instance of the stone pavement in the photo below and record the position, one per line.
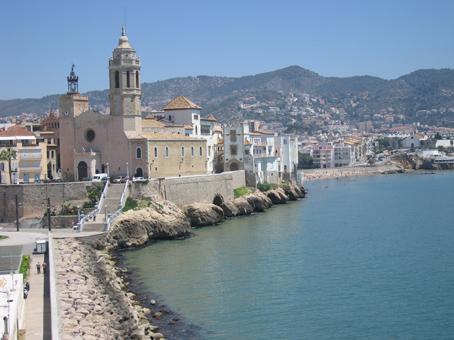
(37, 306)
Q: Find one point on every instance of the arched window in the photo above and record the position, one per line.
(137, 79)
(139, 172)
(128, 79)
(182, 151)
(117, 79)
(167, 151)
(200, 151)
(192, 151)
(155, 152)
(139, 152)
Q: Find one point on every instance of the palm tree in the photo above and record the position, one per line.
(8, 155)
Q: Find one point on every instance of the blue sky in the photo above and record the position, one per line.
(41, 39)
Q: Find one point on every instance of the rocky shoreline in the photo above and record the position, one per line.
(99, 299)
(94, 301)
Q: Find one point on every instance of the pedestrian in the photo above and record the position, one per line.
(27, 285)
(38, 268)
(44, 267)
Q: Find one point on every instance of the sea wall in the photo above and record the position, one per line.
(190, 189)
(32, 198)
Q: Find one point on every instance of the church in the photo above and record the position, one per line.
(120, 143)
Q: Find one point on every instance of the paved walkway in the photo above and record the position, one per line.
(37, 311)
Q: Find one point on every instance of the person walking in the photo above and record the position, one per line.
(44, 267)
(38, 268)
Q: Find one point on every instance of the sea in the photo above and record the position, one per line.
(358, 258)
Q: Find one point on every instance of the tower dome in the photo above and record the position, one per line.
(123, 42)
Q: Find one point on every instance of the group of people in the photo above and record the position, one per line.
(26, 289)
(38, 267)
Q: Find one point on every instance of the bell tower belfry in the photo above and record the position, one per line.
(124, 84)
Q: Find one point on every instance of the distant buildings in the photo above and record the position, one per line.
(28, 156)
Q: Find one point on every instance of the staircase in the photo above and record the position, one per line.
(109, 205)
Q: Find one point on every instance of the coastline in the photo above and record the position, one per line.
(333, 173)
(169, 322)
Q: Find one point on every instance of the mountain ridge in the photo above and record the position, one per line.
(356, 97)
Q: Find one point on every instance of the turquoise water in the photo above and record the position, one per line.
(358, 258)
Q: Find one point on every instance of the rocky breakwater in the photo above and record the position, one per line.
(93, 300)
(258, 201)
(135, 228)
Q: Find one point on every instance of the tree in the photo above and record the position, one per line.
(8, 155)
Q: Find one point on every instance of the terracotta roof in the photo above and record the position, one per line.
(188, 127)
(16, 130)
(147, 122)
(181, 103)
(210, 118)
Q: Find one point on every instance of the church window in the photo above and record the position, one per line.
(128, 80)
(117, 79)
(137, 80)
(200, 151)
(233, 150)
(90, 135)
(155, 152)
(139, 152)
(233, 136)
(167, 152)
(192, 151)
(196, 130)
(182, 151)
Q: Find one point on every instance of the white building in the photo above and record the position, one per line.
(445, 143)
(11, 303)
(264, 155)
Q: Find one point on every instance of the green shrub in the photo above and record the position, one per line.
(130, 204)
(94, 192)
(266, 186)
(67, 209)
(241, 191)
(25, 265)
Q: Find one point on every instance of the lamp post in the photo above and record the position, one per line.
(127, 170)
(107, 167)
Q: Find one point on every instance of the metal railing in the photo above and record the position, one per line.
(92, 214)
(124, 197)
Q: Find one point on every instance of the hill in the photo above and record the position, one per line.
(424, 95)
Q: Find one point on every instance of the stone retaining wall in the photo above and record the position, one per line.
(190, 189)
(32, 198)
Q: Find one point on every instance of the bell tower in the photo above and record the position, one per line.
(124, 80)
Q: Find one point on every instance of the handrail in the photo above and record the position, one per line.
(124, 196)
(95, 211)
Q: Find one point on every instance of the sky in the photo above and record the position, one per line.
(175, 38)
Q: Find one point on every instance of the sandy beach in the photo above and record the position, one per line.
(317, 174)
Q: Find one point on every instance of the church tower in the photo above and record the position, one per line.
(124, 80)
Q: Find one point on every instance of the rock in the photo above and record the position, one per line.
(258, 201)
(152, 302)
(290, 191)
(157, 315)
(203, 214)
(243, 206)
(134, 228)
(274, 196)
(230, 209)
(283, 195)
(157, 335)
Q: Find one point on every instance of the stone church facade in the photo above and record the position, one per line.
(116, 143)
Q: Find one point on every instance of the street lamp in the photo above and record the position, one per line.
(127, 170)
(107, 166)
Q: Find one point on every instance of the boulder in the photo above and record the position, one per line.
(230, 209)
(283, 195)
(276, 196)
(300, 191)
(243, 206)
(290, 191)
(258, 201)
(134, 228)
(203, 214)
